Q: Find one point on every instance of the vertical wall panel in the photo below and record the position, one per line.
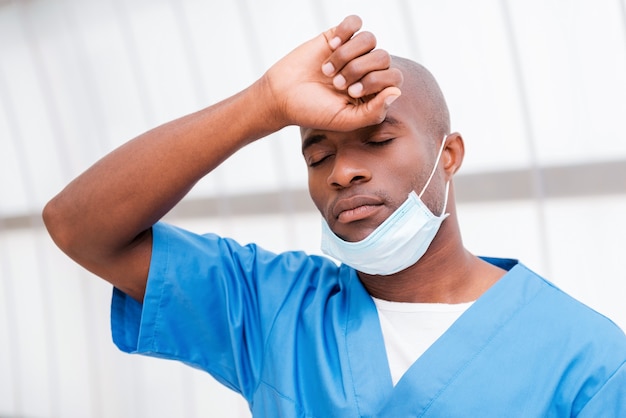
(575, 69)
(587, 245)
(10, 362)
(472, 60)
(37, 391)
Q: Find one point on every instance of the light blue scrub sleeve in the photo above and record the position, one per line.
(610, 401)
(202, 304)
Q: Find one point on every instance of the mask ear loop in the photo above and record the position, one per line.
(445, 200)
(432, 173)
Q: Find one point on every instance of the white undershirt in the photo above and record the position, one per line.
(410, 328)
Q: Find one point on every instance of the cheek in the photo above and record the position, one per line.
(403, 174)
(315, 191)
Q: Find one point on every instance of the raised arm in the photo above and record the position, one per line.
(103, 218)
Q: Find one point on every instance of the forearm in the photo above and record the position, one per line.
(126, 192)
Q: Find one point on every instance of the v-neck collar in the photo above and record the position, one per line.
(441, 364)
(366, 354)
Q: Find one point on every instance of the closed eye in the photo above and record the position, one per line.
(317, 160)
(380, 143)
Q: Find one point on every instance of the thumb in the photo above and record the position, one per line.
(375, 109)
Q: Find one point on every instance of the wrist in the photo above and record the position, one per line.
(266, 105)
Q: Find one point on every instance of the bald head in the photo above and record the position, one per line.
(421, 88)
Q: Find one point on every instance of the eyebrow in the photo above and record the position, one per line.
(312, 140)
(390, 120)
(317, 138)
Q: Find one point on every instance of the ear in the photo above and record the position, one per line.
(453, 154)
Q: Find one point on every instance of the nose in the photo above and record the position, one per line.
(347, 170)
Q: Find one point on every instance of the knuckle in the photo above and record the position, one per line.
(378, 117)
(372, 80)
(384, 78)
(354, 70)
(368, 38)
(353, 21)
(383, 57)
(397, 76)
(341, 55)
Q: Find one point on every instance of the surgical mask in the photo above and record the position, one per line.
(399, 242)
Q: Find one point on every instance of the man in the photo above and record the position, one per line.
(411, 324)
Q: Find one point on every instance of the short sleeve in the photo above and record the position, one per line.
(610, 400)
(202, 304)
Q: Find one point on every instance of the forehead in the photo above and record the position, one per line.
(401, 115)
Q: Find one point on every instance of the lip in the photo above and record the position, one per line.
(355, 208)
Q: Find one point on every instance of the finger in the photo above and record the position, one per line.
(376, 81)
(374, 111)
(344, 31)
(360, 44)
(359, 67)
(367, 113)
(337, 36)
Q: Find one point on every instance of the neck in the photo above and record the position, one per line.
(447, 273)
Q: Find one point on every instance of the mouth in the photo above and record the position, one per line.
(356, 208)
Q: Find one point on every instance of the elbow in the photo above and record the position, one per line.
(56, 221)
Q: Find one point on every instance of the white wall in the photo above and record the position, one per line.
(530, 84)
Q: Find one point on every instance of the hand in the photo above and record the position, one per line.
(336, 81)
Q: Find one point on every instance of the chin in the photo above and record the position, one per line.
(353, 234)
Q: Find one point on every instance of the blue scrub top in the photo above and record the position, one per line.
(298, 336)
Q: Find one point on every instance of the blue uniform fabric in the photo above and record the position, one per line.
(298, 336)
